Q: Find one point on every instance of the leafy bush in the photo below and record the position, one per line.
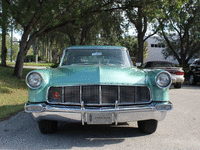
(55, 65)
(31, 58)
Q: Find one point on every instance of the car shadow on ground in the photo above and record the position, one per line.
(111, 131)
(70, 134)
(95, 135)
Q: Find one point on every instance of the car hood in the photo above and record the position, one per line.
(98, 75)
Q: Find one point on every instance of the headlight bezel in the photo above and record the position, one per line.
(170, 79)
(27, 78)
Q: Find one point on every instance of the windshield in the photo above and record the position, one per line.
(97, 56)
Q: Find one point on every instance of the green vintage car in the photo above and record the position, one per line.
(98, 85)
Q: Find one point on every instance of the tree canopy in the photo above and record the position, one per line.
(180, 29)
(49, 26)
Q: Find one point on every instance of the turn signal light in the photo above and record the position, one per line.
(179, 73)
(164, 107)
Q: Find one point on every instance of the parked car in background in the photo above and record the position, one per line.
(98, 85)
(194, 70)
(177, 73)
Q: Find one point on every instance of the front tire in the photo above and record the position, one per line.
(177, 85)
(147, 126)
(47, 126)
(192, 80)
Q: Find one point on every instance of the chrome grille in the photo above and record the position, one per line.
(90, 94)
(109, 94)
(72, 94)
(127, 94)
(100, 94)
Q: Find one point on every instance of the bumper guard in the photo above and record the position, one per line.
(155, 110)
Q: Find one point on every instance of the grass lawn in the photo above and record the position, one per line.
(32, 64)
(13, 92)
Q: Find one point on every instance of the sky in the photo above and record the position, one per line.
(16, 35)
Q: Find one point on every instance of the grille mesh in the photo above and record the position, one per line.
(109, 94)
(90, 94)
(100, 94)
(127, 94)
(72, 94)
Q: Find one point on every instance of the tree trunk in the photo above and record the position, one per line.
(19, 64)
(83, 36)
(72, 39)
(140, 48)
(4, 28)
(20, 60)
(140, 35)
(34, 49)
(43, 51)
(4, 49)
(24, 47)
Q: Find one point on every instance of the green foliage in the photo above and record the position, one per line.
(15, 47)
(31, 58)
(54, 65)
(131, 43)
(31, 64)
(181, 30)
(143, 16)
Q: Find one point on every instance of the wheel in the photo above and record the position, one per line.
(147, 126)
(177, 85)
(192, 80)
(47, 126)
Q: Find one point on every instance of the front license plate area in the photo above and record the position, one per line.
(99, 118)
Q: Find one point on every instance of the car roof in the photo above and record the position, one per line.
(91, 47)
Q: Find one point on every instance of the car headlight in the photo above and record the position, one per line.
(34, 80)
(163, 80)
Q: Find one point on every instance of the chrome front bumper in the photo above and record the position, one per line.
(155, 110)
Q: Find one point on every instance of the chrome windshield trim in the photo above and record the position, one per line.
(126, 62)
(61, 62)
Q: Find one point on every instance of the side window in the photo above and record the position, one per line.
(195, 63)
(198, 63)
(148, 64)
